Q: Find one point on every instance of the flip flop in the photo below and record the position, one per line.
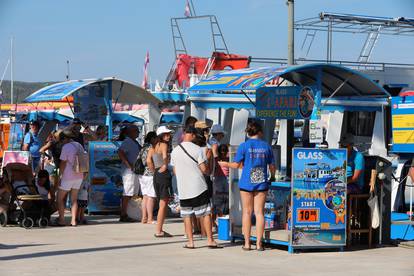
(188, 247)
(163, 235)
(261, 249)
(246, 248)
(215, 246)
(58, 224)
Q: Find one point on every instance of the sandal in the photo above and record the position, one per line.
(58, 224)
(215, 246)
(188, 247)
(246, 248)
(163, 235)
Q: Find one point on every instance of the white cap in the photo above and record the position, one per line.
(162, 130)
(217, 129)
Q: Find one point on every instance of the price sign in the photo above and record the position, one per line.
(308, 215)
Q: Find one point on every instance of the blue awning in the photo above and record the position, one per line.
(47, 115)
(342, 81)
(171, 96)
(174, 117)
(126, 118)
(122, 91)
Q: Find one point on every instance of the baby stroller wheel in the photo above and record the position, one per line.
(43, 222)
(3, 219)
(28, 223)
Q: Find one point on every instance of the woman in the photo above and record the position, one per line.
(158, 159)
(255, 157)
(146, 180)
(70, 181)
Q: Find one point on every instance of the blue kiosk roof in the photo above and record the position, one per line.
(342, 81)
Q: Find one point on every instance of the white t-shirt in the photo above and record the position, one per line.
(190, 179)
(68, 153)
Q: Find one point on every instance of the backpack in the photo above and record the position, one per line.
(139, 166)
(81, 160)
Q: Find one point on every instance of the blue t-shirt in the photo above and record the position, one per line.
(256, 155)
(34, 143)
(356, 162)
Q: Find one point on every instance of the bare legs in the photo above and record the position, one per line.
(206, 224)
(162, 213)
(188, 226)
(147, 209)
(253, 201)
(61, 205)
(124, 206)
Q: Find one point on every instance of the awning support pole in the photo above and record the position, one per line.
(247, 96)
(71, 109)
(336, 90)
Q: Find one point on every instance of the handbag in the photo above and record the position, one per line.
(139, 167)
(375, 214)
(81, 160)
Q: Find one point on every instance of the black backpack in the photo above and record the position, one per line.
(139, 166)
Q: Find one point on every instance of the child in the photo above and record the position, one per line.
(220, 184)
(43, 184)
(83, 201)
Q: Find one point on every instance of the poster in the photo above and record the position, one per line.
(89, 103)
(402, 112)
(105, 177)
(16, 136)
(315, 131)
(318, 197)
(285, 102)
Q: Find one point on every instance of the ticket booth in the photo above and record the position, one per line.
(306, 206)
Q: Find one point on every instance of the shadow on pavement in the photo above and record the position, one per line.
(15, 246)
(80, 251)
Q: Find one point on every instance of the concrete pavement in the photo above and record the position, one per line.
(106, 247)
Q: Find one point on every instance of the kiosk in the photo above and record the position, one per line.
(306, 207)
(93, 102)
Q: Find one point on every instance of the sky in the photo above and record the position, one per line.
(103, 38)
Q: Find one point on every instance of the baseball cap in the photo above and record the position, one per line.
(217, 129)
(162, 130)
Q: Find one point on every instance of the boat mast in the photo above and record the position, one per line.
(11, 70)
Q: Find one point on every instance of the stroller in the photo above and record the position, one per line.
(26, 207)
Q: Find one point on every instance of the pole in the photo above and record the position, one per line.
(67, 70)
(11, 71)
(291, 32)
(291, 61)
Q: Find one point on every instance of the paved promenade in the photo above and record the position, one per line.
(106, 247)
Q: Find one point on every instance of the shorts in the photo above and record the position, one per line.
(199, 206)
(82, 203)
(260, 190)
(67, 185)
(130, 182)
(220, 184)
(162, 184)
(147, 185)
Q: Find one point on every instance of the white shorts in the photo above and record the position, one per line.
(67, 185)
(147, 185)
(130, 182)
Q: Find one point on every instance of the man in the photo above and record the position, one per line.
(32, 144)
(217, 134)
(128, 153)
(179, 134)
(189, 165)
(355, 166)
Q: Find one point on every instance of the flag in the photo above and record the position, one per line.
(187, 12)
(145, 80)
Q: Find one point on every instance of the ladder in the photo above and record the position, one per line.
(369, 45)
(307, 43)
(178, 41)
(207, 69)
(219, 43)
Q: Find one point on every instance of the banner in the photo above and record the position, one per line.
(285, 102)
(89, 103)
(105, 177)
(318, 197)
(402, 112)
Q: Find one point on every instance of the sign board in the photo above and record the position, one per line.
(402, 113)
(16, 157)
(89, 103)
(315, 132)
(105, 177)
(318, 217)
(285, 102)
